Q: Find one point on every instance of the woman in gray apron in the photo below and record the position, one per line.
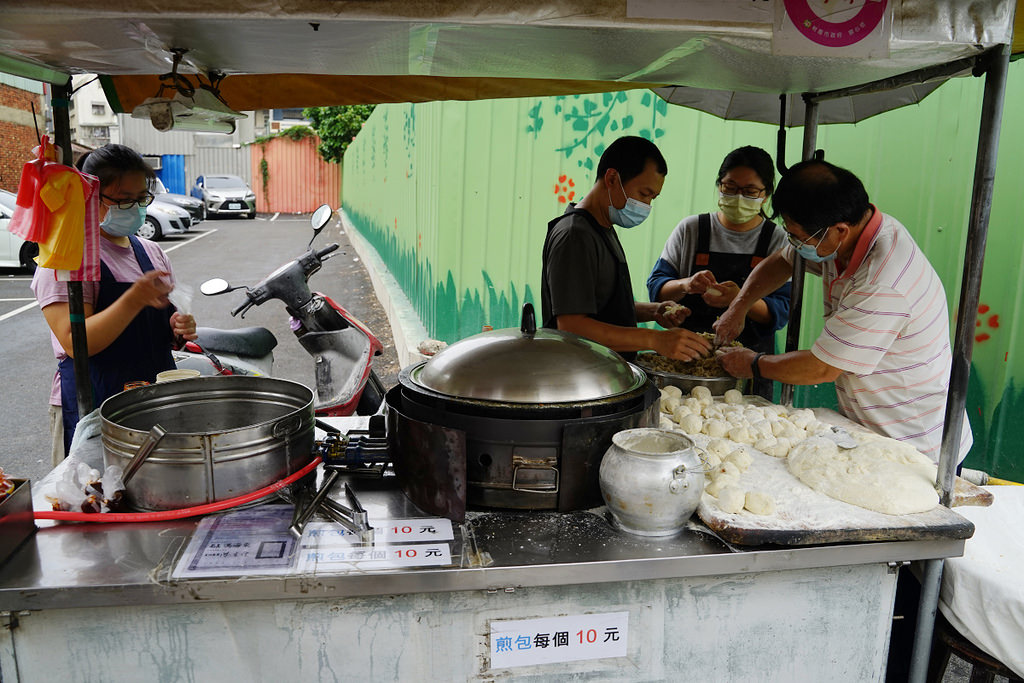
(708, 257)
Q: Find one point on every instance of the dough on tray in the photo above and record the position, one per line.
(715, 487)
(881, 474)
(732, 499)
(760, 503)
(733, 397)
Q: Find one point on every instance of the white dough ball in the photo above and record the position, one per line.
(713, 460)
(673, 391)
(753, 414)
(776, 410)
(702, 394)
(668, 405)
(761, 429)
(740, 458)
(720, 447)
(779, 426)
(712, 411)
(665, 423)
(759, 503)
(716, 428)
(732, 499)
(720, 483)
(740, 435)
(679, 413)
(793, 433)
(733, 397)
(692, 424)
(781, 448)
(765, 444)
(726, 468)
(802, 418)
(693, 404)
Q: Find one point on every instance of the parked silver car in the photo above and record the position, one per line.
(163, 220)
(14, 251)
(225, 195)
(162, 196)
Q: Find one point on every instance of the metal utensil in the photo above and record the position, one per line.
(156, 433)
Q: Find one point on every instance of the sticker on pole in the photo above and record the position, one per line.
(573, 638)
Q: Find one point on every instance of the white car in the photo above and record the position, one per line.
(14, 251)
(163, 220)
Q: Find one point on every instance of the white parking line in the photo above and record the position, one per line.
(26, 307)
(24, 298)
(190, 241)
(274, 217)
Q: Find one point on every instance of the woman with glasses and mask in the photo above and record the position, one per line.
(708, 257)
(130, 325)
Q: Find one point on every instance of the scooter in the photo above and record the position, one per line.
(342, 347)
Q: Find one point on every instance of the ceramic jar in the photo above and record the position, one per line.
(651, 480)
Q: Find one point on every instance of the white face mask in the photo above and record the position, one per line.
(632, 214)
(737, 208)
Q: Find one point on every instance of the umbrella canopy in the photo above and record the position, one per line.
(316, 52)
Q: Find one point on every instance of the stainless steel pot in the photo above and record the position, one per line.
(651, 481)
(717, 385)
(513, 418)
(225, 437)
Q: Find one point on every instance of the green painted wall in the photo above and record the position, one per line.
(456, 197)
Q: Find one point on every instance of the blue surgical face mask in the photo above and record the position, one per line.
(810, 253)
(632, 214)
(123, 222)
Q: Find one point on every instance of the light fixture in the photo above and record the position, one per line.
(193, 109)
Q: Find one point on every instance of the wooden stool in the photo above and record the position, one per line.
(947, 640)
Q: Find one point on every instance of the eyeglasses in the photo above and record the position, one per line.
(143, 201)
(750, 191)
(798, 243)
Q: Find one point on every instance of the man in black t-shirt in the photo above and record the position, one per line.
(585, 285)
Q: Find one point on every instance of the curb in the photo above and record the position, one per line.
(407, 329)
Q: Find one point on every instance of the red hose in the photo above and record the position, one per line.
(166, 515)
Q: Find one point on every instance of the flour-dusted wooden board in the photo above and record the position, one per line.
(805, 517)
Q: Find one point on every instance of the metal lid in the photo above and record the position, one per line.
(528, 365)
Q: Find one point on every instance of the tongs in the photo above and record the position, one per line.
(353, 518)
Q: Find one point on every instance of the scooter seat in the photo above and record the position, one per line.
(252, 342)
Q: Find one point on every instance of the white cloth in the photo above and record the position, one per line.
(982, 592)
(887, 329)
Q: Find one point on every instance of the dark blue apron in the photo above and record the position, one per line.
(620, 309)
(139, 353)
(735, 267)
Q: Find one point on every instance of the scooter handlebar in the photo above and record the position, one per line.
(243, 307)
(326, 250)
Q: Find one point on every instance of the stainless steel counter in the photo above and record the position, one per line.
(95, 601)
(80, 565)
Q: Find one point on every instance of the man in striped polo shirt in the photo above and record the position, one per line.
(885, 342)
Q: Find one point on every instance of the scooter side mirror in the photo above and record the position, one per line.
(217, 285)
(321, 217)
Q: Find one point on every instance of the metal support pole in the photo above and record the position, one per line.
(797, 292)
(59, 100)
(996, 66)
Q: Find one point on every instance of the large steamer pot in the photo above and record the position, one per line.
(226, 436)
(513, 418)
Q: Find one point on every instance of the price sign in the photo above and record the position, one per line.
(342, 559)
(558, 639)
(325, 534)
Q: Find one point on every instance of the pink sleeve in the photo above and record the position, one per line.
(49, 290)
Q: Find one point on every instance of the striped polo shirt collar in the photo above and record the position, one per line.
(864, 242)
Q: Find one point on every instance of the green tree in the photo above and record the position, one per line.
(337, 127)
